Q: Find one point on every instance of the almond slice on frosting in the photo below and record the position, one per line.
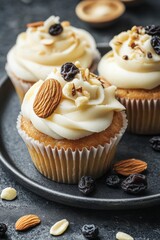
(35, 24)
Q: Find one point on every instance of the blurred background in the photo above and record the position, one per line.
(15, 14)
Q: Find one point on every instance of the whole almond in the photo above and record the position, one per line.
(130, 166)
(35, 24)
(26, 222)
(47, 98)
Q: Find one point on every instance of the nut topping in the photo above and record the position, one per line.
(130, 166)
(59, 227)
(47, 98)
(65, 23)
(26, 222)
(47, 42)
(35, 24)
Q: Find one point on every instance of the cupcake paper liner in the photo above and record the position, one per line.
(20, 86)
(68, 166)
(143, 115)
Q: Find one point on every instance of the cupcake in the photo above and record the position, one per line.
(133, 66)
(45, 45)
(71, 124)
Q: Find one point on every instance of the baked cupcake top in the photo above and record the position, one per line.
(134, 61)
(71, 103)
(47, 44)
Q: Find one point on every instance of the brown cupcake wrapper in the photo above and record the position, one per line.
(143, 115)
(67, 166)
(20, 86)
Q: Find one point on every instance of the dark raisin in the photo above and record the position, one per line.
(90, 231)
(113, 181)
(68, 71)
(3, 229)
(135, 184)
(152, 30)
(55, 29)
(86, 185)
(155, 42)
(155, 143)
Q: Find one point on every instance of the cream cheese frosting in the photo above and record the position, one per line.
(89, 110)
(132, 63)
(36, 51)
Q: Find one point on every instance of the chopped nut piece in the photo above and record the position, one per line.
(65, 23)
(8, 193)
(81, 101)
(35, 24)
(123, 236)
(79, 89)
(47, 42)
(59, 227)
(73, 90)
(87, 73)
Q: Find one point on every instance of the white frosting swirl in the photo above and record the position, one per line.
(89, 110)
(132, 63)
(36, 51)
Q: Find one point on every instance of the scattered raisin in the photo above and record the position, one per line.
(152, 30)
(90, 231)
(68, 71)
(113, 181)
(149, 55)
(3, 229)
(55, 29)
(155, 42)
(135, 184)
(155, 143)
(86, 185)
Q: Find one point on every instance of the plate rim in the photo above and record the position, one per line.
(65, 198)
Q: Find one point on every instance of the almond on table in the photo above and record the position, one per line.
(129, 166)
(27, 221)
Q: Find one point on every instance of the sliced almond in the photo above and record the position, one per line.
(130, 166)
(123, 236)
(35, 24)
(8, 193)
(59, 227)
(26, 222)
(47, 42)
(47, 98)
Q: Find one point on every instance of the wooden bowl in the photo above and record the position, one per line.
(100, 13)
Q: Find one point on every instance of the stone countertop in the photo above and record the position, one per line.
(142, 224)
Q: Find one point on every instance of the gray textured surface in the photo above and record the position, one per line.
(142, 224)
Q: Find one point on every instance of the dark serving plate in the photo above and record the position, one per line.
(15, 157)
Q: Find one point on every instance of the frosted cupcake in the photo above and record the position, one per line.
(45, 45)
(133, 66)
(71, 124)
